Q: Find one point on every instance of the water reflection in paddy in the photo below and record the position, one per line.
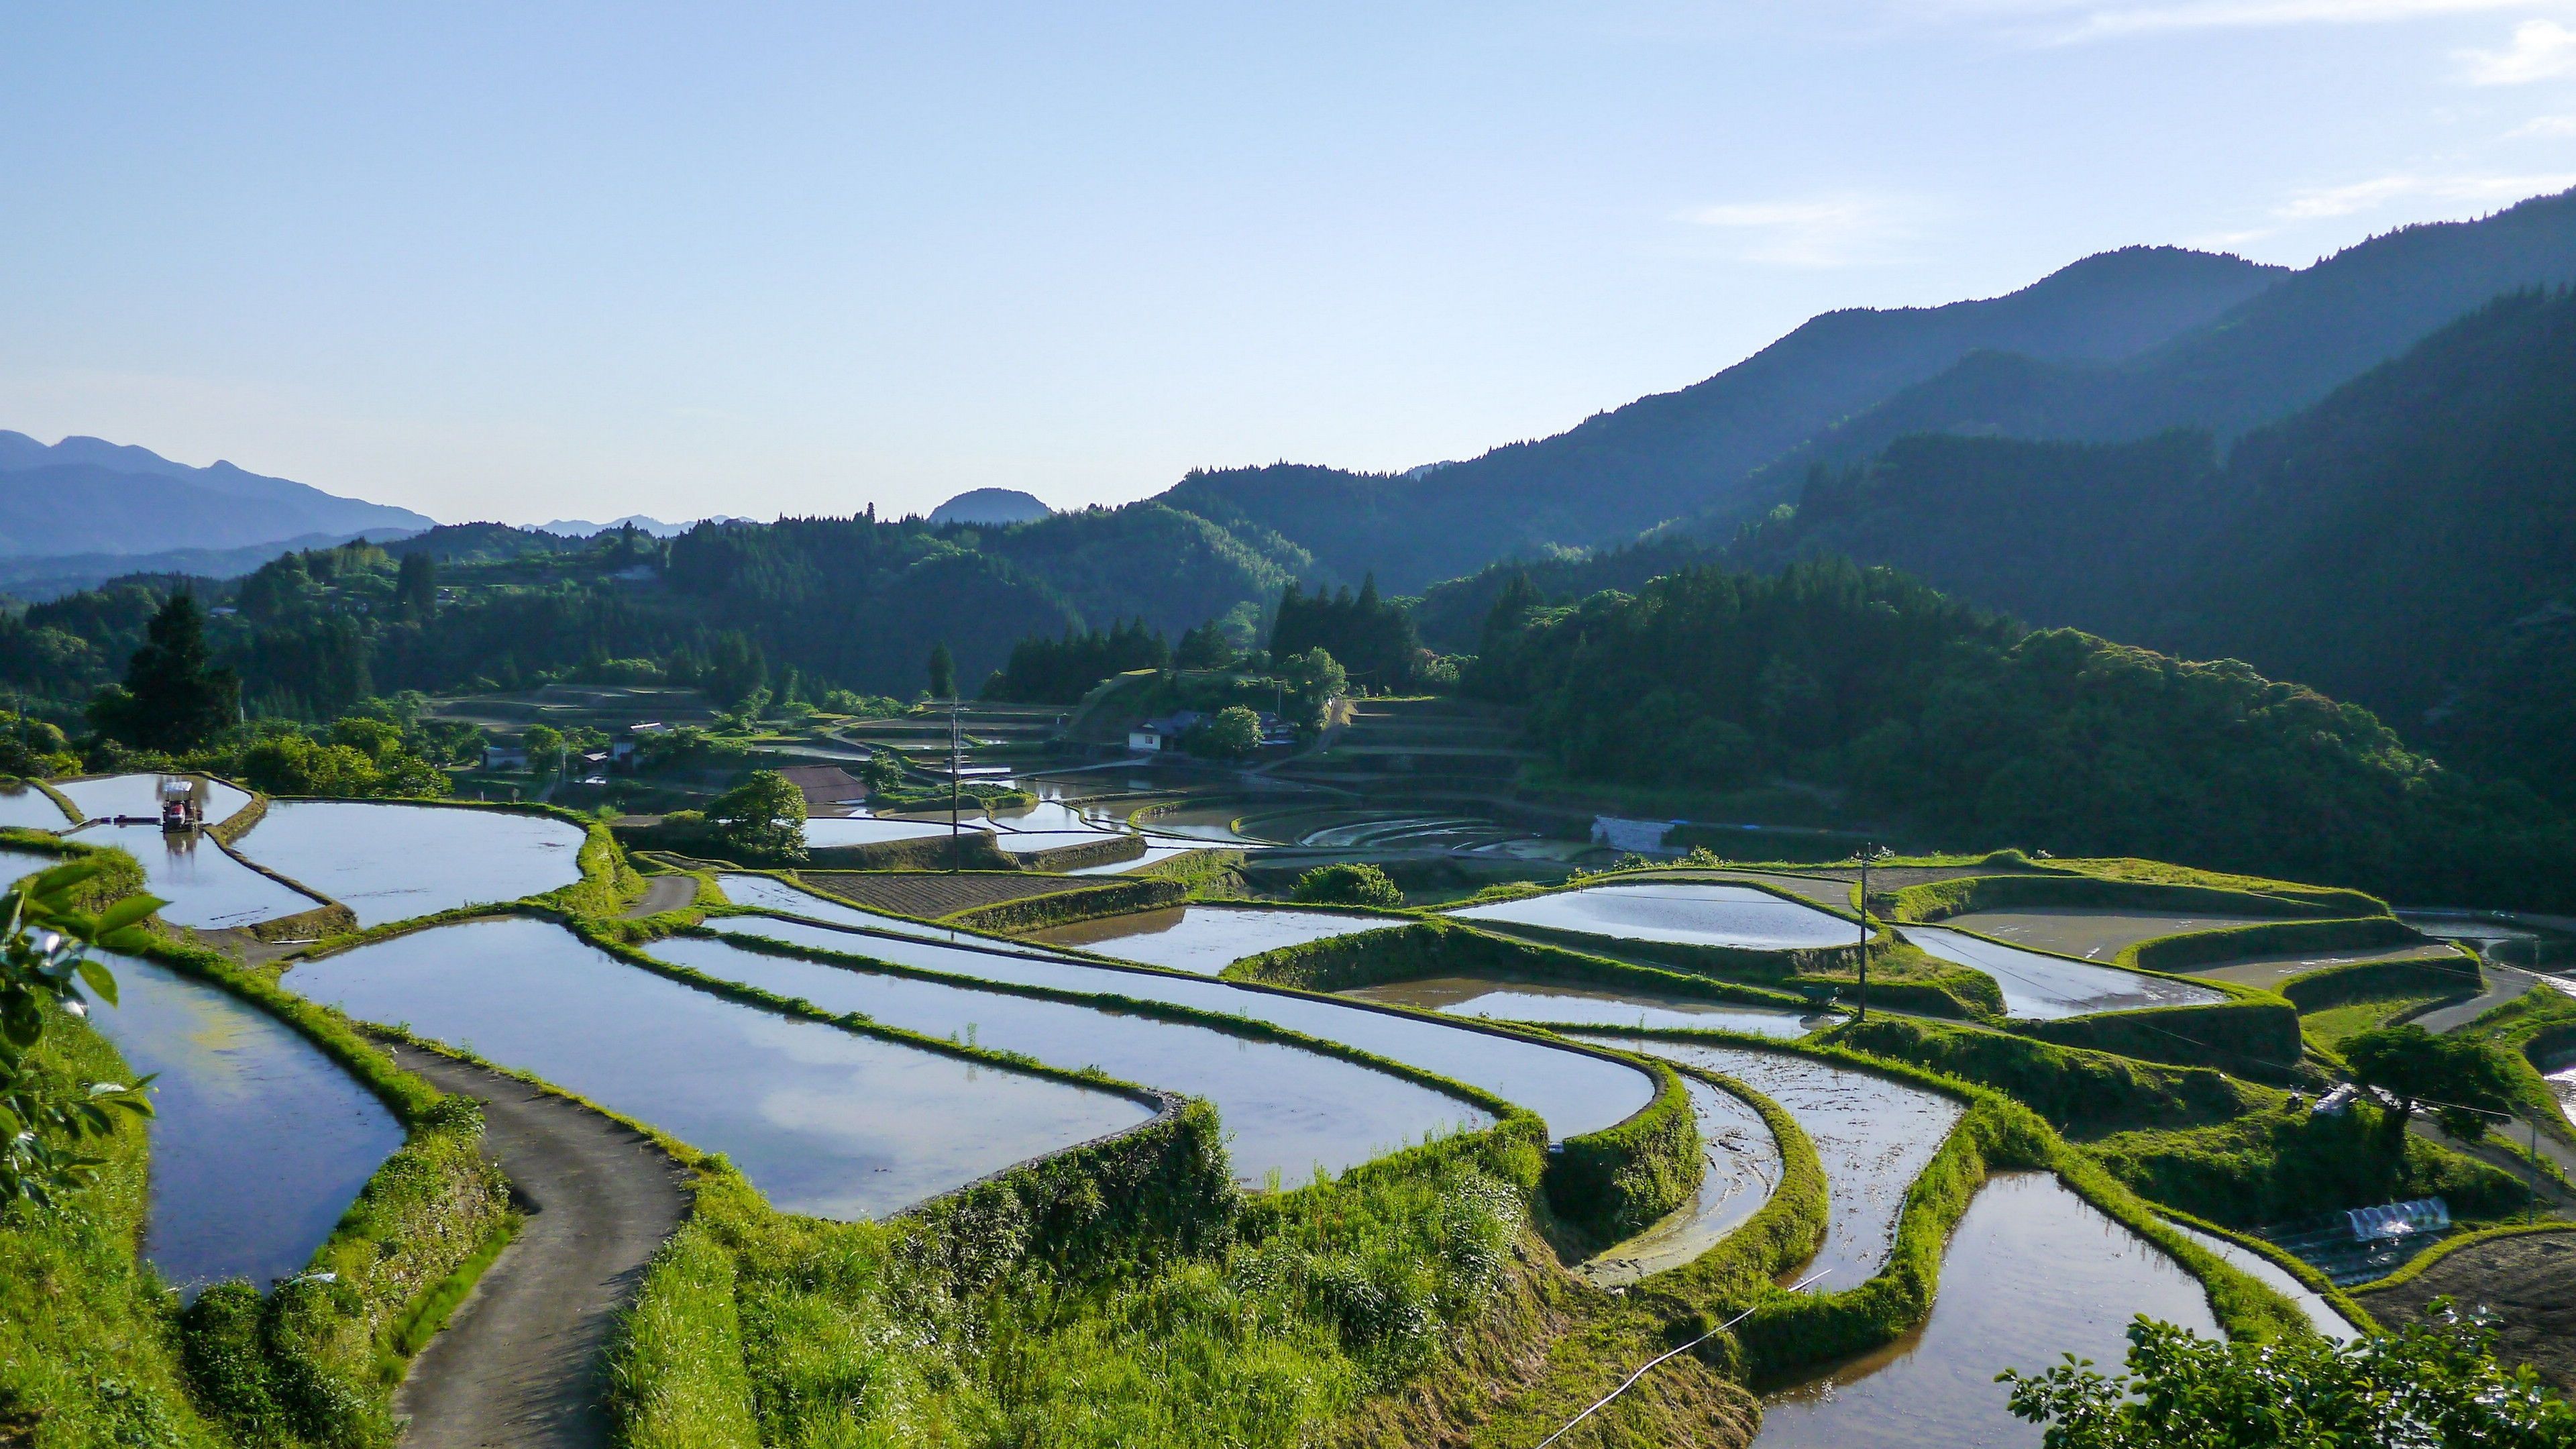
(28, 808)
(1574, 1091)
(1542, 1001)
(1741, 1169)
(2032, 1272)
(823, 1121)
(1873, 1137)
(1285, 1109)
(2041, 987)
(2091, 931)
(1700, 915)
(823, 830)
(769, 893)
(138, 796)
(1205, 939)
(393, 862)
(2321, 1314)
(1154, 855)
(200, 885)
(260, 1141)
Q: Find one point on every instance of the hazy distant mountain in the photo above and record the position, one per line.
(584, 528)
(83, 495)
(990, 505)
(2264, 359)
(1682, 452)
(53, 575)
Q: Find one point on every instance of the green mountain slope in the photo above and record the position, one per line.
(1671, 454)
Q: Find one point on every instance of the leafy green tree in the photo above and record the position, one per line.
(172, 701)
(1347, 885)
(1233, 734)
(882, 771)
(2433, 1385)
(2456, 1078)
(544, 744)
(943, 672)
(1318, 680)
(762, 818)
(43, 967)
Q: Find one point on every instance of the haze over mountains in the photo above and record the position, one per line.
(85, 495)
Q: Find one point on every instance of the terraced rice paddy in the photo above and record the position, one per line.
(2321, 1314)
(1206, 939)
(28, 808)
(260, 1141)
(2092, 932)
(1873, 1137)
(2042, 988)
(823, 831)
(1497, 1000)
(1684, 912)
(2563, 1082)
(769, 893)
(1154, 855)
(1285, 1109)
(2268, 972)
(394, 862)
(1575, 1091)
(2032, 1272)
(824, 1121)
(201, 886)
(137, 796)
(1741, 1169)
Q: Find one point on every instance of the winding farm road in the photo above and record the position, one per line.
(524, 1361)
(663, 893)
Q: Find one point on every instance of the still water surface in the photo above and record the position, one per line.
(1576, 1092)
(2032, 1272)
(1741, 1169)
(203, 887)
(394, 862)
(2321, 1314)
(823, 1121)
(29, 808)
(137, 795)
(1873, 1137)
(1500, 1000)
(1205, 939)
(769, 893)
(1698, 915)
(1285, 1109)
(260, 1141)
(2038, 987)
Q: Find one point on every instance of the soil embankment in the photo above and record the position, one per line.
(525, 1360)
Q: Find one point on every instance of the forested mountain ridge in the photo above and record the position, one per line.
(2408, 543)
(2276, 352)
(1674, 453)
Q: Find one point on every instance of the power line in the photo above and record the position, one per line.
(1650, 1363)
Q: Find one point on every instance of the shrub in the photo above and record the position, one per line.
(1347, 885)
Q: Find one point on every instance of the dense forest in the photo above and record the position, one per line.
(1922, 707)
(2408, 543)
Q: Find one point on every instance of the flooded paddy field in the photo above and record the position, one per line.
(2092, 932)
(2321, 1314)
(1497, 999)
(2032, 1272)
(1684, 912)
(822, 831)
(1822, 891)
(199, 884)
(1207, 939)
(260, 1141)
(823, 1121)
(768, 893)
(2043, 988)
(136, 795)
(1873, 1137)
(1286, 1110)
(28, 808)
(1154, 855)
(394, 862)
(2268, 972)
(1740, 1169)
(1575, 1091)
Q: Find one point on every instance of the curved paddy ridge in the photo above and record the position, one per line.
(2041, 988)
(823, 1121)
(389, 862)
(1686, 913)
(1286, 1110)
(1205, 939)
(1575, 1091)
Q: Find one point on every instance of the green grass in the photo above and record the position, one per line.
(89, 1350)
(2331, 1025)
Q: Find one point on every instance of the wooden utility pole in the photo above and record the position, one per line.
(1865, 850)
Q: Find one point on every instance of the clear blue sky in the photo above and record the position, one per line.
(522, 262)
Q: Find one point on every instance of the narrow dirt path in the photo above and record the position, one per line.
(663, 893)
(524, 1362)
(2504, 983)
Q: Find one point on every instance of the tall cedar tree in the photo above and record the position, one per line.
(1372, 638)
(416, 587)
(943, 672)
(171, 700)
